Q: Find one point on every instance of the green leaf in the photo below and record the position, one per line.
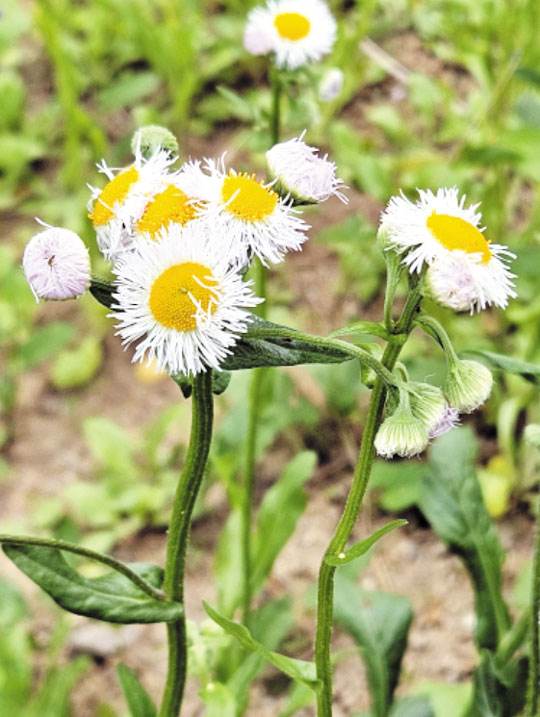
(448, 700)
(362, 328)
(220, 383)
(363, 546)
(397, 484)
(45, 343)
(282, 506)
(228, 558)
(451, 499)
(498, 692)
(102, 291)
(528, 371)
(419, 706)
(111, 597)
(299, 670)
(138, 699)
(76, 367)
(379, 623)
(252, 351)
(219, 700)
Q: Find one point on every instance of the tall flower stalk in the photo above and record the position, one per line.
(325, 590)
(184, 501)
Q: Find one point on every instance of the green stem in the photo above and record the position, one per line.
(86, 553)
(533, 691)
(254, 412)
(275, 122)
(325, 594)
(184, 501)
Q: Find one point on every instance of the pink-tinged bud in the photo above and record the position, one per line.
(56, 264)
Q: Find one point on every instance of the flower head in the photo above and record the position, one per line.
(466, 270)
(56, 264)
(125, 196)
(449, 420)
(297, 31)
(467, 385)
(248, 216)
(151, 139)
(402, 433)
(182, 298)
(300, 172)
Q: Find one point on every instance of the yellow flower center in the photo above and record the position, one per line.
(115, 191)
(171, 205)
(252, 202)
(292, 25)
(175, 293)
(457, 233)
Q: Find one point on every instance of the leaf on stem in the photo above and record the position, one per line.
(137, 698)
(363, 546)
(299, 670)
(111, 597)
(362, 328)
(525, 369)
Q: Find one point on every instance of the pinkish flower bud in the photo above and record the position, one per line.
(56, 264)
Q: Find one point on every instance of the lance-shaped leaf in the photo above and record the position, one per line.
(451, 499)
(138, 699)
(299, 670)
(525, 369)
(112, 597)
(379, 623)
(363, 546)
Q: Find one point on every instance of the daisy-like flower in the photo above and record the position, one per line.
(248, 216)
(56, 264)
(181, 297)
(125, 195)
(297, 31)
(171, 205)
(302, 174)
(466, 270)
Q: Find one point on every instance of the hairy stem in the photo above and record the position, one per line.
(184, 501)
(325, 591)
(533, 691)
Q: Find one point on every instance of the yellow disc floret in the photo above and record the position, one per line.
(115, 191)
(171, 205)
(292, 25)
(177, 292)
(252, 201)
(457, 233)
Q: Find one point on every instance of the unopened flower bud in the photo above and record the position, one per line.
(150, 139)
(450, 283)
(302, 174)
(428, 404)
(56, 264)
(401, 434)
(467, 385)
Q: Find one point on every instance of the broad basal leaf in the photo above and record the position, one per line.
(451, 499)
(112, 597)
(379, 623)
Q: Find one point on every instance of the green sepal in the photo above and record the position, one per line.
(111, 597)
(363, 546)
(220, 382)
(299, 670)
(137, 698)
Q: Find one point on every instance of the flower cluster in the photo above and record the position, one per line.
(180, 241)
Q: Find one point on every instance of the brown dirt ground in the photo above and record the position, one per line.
(48, 452)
